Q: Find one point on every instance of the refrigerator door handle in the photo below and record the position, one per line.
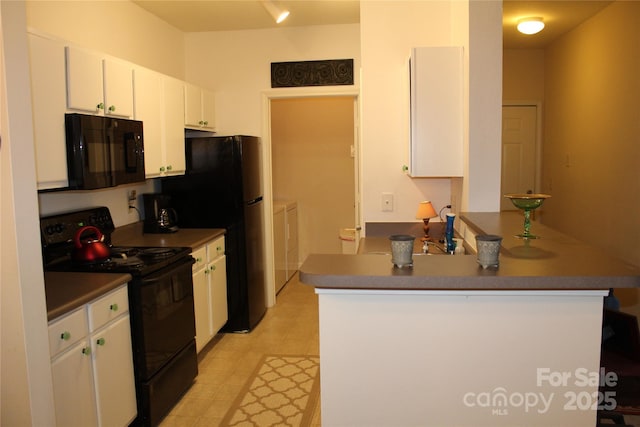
(254, 201)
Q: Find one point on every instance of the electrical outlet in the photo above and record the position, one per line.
(131, 199)
(387, 202)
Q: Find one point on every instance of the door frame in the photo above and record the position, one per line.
(307, 92)
(538, 142)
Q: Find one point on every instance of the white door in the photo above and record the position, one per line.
(519, 156)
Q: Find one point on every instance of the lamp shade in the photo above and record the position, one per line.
(530, 25)
(426, 210)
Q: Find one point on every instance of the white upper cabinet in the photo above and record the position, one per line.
(199, 108)
(48, 94)
(436, 140)
(118, 88)
(84, 81)
(173, 130)
(98, 85)
(148, 109)
(159, 105)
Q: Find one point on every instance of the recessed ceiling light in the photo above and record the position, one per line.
(278, 14)
(530, 25)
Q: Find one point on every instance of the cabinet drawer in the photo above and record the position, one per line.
(215, 249)
(108, 307)
(200, 255)
(66, 331)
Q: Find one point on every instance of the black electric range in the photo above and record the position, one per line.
(160, 305)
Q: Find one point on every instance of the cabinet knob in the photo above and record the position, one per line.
(100, 341)
(161, 168)
(206, 122)
(86, 351)
(405, 168)
(200, 122)
(198, 259)
(100, 106)
(66, 335)
(219, 249)
(112, 108)
(213, 267)
(169, 167)
(113, 307)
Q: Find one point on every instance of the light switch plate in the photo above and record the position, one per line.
(387, 202)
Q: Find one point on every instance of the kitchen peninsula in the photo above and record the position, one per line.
(448, 343)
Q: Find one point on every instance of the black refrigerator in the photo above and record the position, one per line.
(222, 188)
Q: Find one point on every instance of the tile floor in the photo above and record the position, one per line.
(290, 327)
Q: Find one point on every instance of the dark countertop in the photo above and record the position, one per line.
(132, 235)
(67, 291)
(555, 261)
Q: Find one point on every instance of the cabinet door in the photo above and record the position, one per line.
(192, 106)
(113, 372)
(147, 91)
(118, 88)
(436, 112)
(208, 109)
(201, 307)
(84, 81)
(174, 112)
(218, 293)
(48, 100)
(73, 394)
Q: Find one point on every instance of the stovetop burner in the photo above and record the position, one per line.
(138, 261)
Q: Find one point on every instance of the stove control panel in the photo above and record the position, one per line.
(61, 228)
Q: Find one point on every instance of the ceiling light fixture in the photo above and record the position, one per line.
(530, 25)
(278, 14)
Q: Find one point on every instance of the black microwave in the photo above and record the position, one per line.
(103, 151)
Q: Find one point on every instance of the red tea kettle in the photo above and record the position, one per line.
(89, 250)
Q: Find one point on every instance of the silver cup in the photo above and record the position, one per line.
(402, 250)
(488, 250)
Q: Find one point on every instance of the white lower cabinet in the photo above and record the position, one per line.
(92, 364)
(209, 290)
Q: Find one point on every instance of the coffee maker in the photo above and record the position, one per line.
(159, 216)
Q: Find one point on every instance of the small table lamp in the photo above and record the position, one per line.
(426, 212)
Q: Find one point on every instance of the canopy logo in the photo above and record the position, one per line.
(500, 401)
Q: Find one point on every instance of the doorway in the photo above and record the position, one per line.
(520, 153)
(313, 153)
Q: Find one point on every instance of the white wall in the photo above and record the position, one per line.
(26, 387)
(389, 29)
(236, 65)
(481, 188)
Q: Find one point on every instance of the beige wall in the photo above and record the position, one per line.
(119, 28)
(523, 75)
(592, 139)
(237, 66)
(311, 141)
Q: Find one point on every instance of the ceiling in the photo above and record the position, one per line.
(225, 15)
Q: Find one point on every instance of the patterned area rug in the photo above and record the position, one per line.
(282, 391)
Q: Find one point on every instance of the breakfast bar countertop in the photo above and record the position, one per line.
(553, 262)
